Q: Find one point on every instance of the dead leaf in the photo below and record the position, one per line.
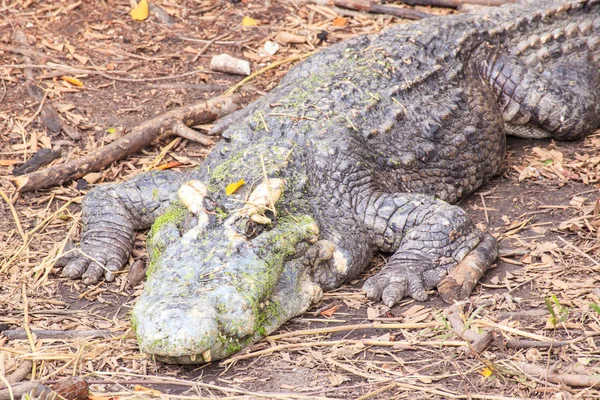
(248, 21)
(340, 21)
(140, 12)
(372, 313)
(548, 260)
(528, 172)
(232, 187)
(337, 379)
(70, 48)
(412, 310)
(82, 59)
(152, 392)
(577, 201)
(330, 311)
(533, 355)
(92, 177)
(169, 165)
(289, 38)
(545, 155)
(72, 81)
(560, 284)
(8, 163)
(52, 46)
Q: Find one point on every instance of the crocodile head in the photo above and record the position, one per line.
(217, 283)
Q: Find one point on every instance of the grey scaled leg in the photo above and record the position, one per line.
(559, 98)
(110, 215)
(428, 236)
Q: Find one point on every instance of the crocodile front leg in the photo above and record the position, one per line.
(110, 214)
(429, 237)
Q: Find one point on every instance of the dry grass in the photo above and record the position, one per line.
(545, 212)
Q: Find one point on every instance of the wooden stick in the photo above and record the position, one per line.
(368, 6)
(355, 327)
(41, 158)
(24, 389)
(552, 376)
(534, 344)
(164, 125)
(21, 334)
(456, 3)
(461, 280)
(19, 374)
(363, 342)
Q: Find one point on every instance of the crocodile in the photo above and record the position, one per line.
(362, 148)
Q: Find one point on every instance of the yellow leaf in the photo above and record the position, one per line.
(232, 187)
(340, 21)
(101, 397)
(72, 81)
(140, 12)
(152, 392)
(486, 372)
(247, 21)
(330, 311)
(6, 163)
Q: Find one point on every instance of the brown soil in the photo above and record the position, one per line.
(544, 213)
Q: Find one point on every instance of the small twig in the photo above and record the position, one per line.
(18, 374)
(207, 45)
(485, 210)
(162, 154)
(552, 376)
(515, 331)
(4, 89)
(371, 7)
(534, 344)
(456, 3)
(13, 212)
(596, 263)
(376, 392)
(141, 136)
(20, 334)
(267, 68)
(363, 342)
(355, 327)
(39, 226)
(23, 390)
(523, 313)
(26, 326)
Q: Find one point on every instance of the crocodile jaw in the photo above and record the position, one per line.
(209, 296)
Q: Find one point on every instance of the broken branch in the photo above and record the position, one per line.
(461, 280)
(368, 6)
(456, 3)
(21, 334)
(551, 375)
(164, 125)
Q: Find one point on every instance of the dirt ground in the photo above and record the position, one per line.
(106, 73)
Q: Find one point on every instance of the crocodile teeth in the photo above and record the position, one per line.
(265, 195)
(192, 194)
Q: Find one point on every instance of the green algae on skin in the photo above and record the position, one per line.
(174, 215)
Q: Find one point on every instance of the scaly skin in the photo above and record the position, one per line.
(373, 138)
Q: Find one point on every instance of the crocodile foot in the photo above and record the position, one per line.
(403, 278)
